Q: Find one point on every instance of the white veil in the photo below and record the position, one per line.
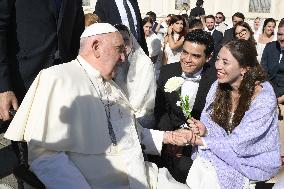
(137, 79)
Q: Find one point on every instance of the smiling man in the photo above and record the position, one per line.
(199, 75)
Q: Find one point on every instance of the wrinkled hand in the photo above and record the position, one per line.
(7, 100)
(197, 127)
(179, 137)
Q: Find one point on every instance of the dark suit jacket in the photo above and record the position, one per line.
(228, 35)
(30, 34)
(167, 114)
(270, 63)
(197, 12)
(108, 12)
(218, 38)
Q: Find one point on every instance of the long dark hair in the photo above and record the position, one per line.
(176, 18)
(245, 25)
(245, 53)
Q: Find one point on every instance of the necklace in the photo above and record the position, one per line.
(106, 107)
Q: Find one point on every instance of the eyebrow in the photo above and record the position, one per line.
(120, 48)
(224, 59)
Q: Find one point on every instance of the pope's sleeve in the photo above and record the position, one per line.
(152, 140)
(17, 127)
(57, 171)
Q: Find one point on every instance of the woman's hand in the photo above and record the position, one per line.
(197, 127)
(170, 30)
(180, 137)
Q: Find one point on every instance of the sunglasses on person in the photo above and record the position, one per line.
(241, 33)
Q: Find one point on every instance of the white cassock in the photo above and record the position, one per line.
(64, 119)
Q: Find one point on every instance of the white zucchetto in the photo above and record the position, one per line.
(98, 28)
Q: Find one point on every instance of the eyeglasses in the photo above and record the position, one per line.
(241, 33)
(219, 17)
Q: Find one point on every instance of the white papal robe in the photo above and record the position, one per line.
(64, 120)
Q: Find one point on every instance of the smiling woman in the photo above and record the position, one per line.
(238, 125)
(174, 39)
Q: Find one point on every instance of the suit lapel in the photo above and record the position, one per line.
(53, 9)
(61, 13)
(204, 85)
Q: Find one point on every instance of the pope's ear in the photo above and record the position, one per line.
(96, 48)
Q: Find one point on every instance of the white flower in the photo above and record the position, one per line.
(173, 84)
(178, 103)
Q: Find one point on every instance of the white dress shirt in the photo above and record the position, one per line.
(190, 88)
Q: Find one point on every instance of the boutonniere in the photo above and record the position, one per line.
(174, 84)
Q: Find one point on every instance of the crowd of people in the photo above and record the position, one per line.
(125, 101)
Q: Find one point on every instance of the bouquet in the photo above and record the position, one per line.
(174, 84)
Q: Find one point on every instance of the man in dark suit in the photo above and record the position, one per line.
(272, 62)
(197, 11)
(217, 35)
(124, 12)
(229, 33)
(199, 74)
(34, 35)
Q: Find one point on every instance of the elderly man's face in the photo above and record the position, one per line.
(113, 53)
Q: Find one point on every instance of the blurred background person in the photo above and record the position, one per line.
(184, 9)
(153, 44)
(162, 28)
(266, 36)
(220, 24)
(91, 18)
(256, 27)
(195, 24)
(197, 11)
(272, 61)
(217, 35)
(229, 33)
(174, 39)
(153, 17)
(242, 30)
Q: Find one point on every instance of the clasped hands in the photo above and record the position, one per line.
(183, 137)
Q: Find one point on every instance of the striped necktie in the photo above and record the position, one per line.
(130, 18)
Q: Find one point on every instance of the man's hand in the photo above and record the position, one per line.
(7, 100)
(179, 137)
